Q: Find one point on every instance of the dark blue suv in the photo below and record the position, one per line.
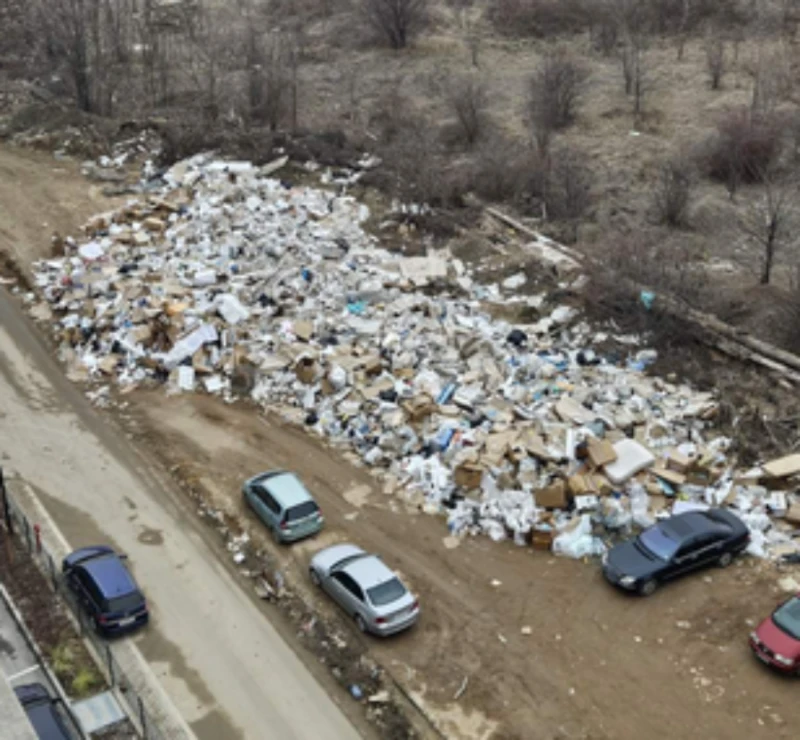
(105, 589)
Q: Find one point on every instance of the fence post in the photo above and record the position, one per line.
(53, 576)
(6, 508)
(110, 662)
(27, 527)
(142, 717)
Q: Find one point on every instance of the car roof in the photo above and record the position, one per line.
(683, 526)
(286, 488)
(369, 571)
(110, 575)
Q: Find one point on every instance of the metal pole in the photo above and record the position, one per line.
(142, 716)
(6, 508)
(110, 665)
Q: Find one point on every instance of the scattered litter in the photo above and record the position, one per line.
(224, 280)
(526, 630)
(461, 689)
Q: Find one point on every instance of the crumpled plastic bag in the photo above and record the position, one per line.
(640, 504)
(578, 542)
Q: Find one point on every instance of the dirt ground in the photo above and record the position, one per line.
(597, 664)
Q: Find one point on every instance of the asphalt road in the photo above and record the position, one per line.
(227, 669)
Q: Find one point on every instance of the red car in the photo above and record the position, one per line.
(776, 641)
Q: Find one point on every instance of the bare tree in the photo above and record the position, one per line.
(468, 102)
(568, 193)
(555, 90)
(397, 21)
(716, 59)
(770, 222)
(672, 191)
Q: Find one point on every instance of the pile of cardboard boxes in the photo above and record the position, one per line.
(230, 281)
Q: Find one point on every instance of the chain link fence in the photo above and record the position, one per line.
(18, 524)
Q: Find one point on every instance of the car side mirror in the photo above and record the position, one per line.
(122, 556)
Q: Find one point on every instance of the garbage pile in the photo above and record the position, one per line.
(232, 281)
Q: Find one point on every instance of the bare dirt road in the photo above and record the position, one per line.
(595, 665)
(226, 668)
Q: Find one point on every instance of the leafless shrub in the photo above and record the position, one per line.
(716, 61)
(507, 172)
(396, 21)
(672, 191)
(649, 259)
(568, 188)
(538, 18)
(468, 102)
(555, 90)
(745, 146)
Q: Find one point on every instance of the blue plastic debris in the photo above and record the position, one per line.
(306, 273)
(647, 298)
(357, 307)
(446, 394)
(444, 437)
(356, 692)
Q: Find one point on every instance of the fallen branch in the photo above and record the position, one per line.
(461, 689)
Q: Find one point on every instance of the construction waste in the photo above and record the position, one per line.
(229, 280)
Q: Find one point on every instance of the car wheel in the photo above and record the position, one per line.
(360, 623)
(725, 560)
(314, 577)
(648, 587)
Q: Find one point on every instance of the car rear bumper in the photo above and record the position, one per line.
(112, 630)
(768, 659)
(395, 626)
(293, 535)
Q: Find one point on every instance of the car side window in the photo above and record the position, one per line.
(686, 549)
(269, 501)
(348, 583)
(90, 587)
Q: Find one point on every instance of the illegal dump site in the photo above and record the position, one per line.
(224, 279)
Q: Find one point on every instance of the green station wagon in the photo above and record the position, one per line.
(282, 502)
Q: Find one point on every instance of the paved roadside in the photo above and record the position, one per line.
(228, 671)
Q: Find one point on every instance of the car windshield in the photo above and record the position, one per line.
(301, 511)
(126, 603)
(787, 617)
(386, 593)
(656, 541)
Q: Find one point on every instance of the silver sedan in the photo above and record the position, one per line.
(365, 588)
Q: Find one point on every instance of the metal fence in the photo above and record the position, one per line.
(18, 524)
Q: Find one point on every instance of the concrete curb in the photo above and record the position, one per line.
(170, 722)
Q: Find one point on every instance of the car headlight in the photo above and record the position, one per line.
(754, 637)
(783, 660)
(627, 581)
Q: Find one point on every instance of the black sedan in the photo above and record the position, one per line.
(675, 546)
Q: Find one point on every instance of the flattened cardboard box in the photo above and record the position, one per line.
(601, 452)
(783, 466)
(554, 496)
